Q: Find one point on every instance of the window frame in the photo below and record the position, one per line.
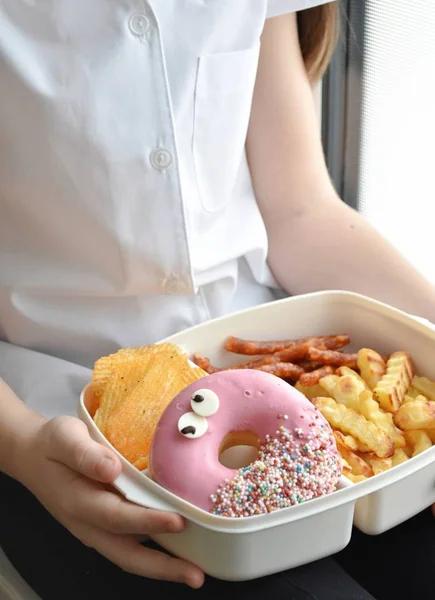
(341, 103)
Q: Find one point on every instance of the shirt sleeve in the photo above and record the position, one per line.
(49, 385)
(280, 7)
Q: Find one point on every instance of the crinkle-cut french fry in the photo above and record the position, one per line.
(409, 398)
(347, 391)
(431, 434)
(379, 465)
(412, 392)
(351, 392)
(351, 443)
(417, 415)
(310, 391)
(424, 386)
(371, 366)
(341, 371)
(422, 398)
(348, 421)
(328, 384)
(356, 478)
(345, 466)
(419, 440)
(371, 410)
(392, 387)
(358, 465)
(399, 457)
(408, 449)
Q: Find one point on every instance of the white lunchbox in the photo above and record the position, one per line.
(246, 548)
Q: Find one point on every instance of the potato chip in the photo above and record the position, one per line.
(416, 415)
(348, 421)
(371, 366)
(124, 370)
(141, 463)
(135, 394)
(392, 387)
(92, 403)
(120, 360)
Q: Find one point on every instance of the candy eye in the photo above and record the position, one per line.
(192, 426)
(205, 403)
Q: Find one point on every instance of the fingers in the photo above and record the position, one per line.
(128, 554)
(114, 514)
(69, 443)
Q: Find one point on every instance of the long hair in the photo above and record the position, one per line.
(318, 34)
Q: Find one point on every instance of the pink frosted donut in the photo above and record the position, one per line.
(297, 460)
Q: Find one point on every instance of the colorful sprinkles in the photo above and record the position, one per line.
(290, 469)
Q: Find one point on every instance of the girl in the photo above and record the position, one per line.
(161, 165)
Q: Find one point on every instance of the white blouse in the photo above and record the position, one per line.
(127, 211)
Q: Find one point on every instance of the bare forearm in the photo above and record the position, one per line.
(316, 242)
(330, 246)
(17, 423)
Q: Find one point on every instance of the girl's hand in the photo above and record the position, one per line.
(66, 470)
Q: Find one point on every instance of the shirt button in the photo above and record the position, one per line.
(139, 24)
(161, 159)
(174, 286)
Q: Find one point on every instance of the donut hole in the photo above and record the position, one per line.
(239, 449)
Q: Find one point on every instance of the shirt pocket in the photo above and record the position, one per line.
(223, 96)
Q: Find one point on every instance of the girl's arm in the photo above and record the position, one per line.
(67, 471)
(315, 240)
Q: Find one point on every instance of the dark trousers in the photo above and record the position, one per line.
(399, 564)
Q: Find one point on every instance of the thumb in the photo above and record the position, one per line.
(69, 443)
